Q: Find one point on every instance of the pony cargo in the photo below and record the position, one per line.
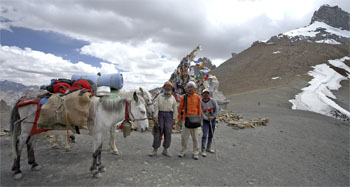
(84, 85)
(71, 109)
(115, 80)
(59, 85)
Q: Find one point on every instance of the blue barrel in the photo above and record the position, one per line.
(115, 80)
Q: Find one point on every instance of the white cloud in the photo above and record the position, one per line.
(218, 26)
(145, 64)
(31, 67)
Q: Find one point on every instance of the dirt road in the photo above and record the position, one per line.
(296, 148)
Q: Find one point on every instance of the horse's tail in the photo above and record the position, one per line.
(15, 128)
(14, 117)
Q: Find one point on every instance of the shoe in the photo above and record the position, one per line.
(210, 150)
(181, 155)
(203, 153)
(166, 153)
(154, 153)
(195, 157)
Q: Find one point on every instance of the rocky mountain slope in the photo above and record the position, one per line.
(10, 91)
(288, 56)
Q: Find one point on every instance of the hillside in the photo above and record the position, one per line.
(288, 56)
(255, 67)
(10, 91)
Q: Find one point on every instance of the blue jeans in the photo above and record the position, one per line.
(208, 130)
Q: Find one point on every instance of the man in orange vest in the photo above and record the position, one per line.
(193, 108)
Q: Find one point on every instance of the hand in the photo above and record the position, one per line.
(155, 120)
(173, 122)
(179, 123)
(210, 118)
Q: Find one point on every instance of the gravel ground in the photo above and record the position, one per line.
(297, 148)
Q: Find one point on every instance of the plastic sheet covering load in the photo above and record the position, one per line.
(103, 90)
(53, 112)
(115, 81)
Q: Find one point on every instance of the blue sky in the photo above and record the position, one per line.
(49, 42)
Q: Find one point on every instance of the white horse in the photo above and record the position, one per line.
(149, 108)
(127, 95)
(108, 113)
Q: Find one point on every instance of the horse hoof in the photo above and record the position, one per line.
(97, 175)
(36, 168)
(115, 152)
(17, 176)
(102, 169)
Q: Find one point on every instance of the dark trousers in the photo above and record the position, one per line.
(165, 122)
(207, 130)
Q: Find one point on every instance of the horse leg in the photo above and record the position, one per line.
(30, 151)
(66, 143)
(112, 136)
(18, 146)
(54, 141)
(96, 156)
(101, 167)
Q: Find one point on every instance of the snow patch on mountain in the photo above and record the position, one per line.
(316, 28)
(317, 97)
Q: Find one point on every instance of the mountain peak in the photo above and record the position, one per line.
(333, 16)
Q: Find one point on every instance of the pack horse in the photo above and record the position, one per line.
(108, 113)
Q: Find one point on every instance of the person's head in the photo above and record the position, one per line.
(191, 86)
(168, 87)
(205, 94)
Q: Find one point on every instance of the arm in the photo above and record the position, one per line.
(174, 108)
(204, 116)
(217, 108)
(156, 107)
(180, 108)
(156, 110)
(199, 106)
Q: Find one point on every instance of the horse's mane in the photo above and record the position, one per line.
(113, 104)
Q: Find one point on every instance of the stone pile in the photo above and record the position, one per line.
(237, 121)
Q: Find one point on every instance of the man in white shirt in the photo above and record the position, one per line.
(164, 115)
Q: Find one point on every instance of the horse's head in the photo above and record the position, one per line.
(138, 112)
(148, 102)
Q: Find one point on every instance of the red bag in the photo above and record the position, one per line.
(84, 85)
(60, 87)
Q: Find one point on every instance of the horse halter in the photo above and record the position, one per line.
(149, 103)
(128, 115)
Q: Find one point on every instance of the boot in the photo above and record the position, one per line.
(203, 153)
(154, 152)
(166, 153)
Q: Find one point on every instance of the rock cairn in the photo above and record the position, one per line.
(237, 121)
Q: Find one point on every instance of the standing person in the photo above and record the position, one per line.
(165, 115)
(210, 110)
(193, 108)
